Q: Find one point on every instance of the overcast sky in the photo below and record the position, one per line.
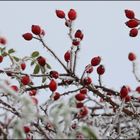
(102, 23)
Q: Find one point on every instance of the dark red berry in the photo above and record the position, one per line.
(132, 23)
(84, 111)
(124, 92)
(75, 42)
(27, 36)
(26, 129)
(127, 98)
(60, 13)
(25, 80)
(80, 96)
(129, 14)
(89, 69)
(67, 56)
(72, 14)
(15, 88)
(84, 90)
(56, 96)
(79, 34)
(53, 85)
(79, 105)
(131, 56)
(32, 92)
(138, 89)
(54, 74)
(87, 81)
(133, 32)
(3, 41)
(36, 29)
(95, 61)
(1, 58)
(41, 61)
(101, 70)
(23, 66)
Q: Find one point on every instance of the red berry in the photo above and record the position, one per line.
(124, 92)
(129, 14)
(23, 66)
(138, 89)
(26, 129)
(43, 32)
(15, 88)
(54, 74)
(87, 81)
(36, 29)
(127, 98)
(80, 96)
(25, 80)
(79, 34)
(84, 90)
(56, 96)
(83, 111)
(75, 42)
(79, 105)
(67, 56)
(131, 56)
(89, 69)
(34, 100)
(52, 85)
(27, 36)
(132, 23)
(1, 58)
(133, 32)
(72, 14)
(95, 61)
(101, 70)
(32, 92)
(41, 61)
(60, 13)
(3, 41)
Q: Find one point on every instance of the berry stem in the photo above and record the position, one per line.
(134, 71)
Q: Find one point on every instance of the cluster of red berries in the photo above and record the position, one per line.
(36, 30)
(132, 22)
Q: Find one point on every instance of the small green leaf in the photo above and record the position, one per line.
(3, 50)
(48, 66)
(44, 79)
(36, 69)
(16, 58)
(11, 51)
(32, 63)
(35, 54)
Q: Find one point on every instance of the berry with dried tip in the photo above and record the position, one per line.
(41, 61)
(36, 29)
(23, 66)
(95, 61)
(79, 105)
(27, 36)
(72, 14)
(129, 14)
(80, 97)
(132, 23)
(133, 32)
(3, 41)
(138, 89)
(84, 111)
(79, 34)
(25, 80)
(1, 58)
(53, 85)
(89, 69)
(75, 42)
(87, 81)
(54, 74)
(101, 70)
(124, 92)
(26, 129)
(32, 92)
(67, 56)
(56, 96)
(15, 88)
(131, 56)
(60, 13)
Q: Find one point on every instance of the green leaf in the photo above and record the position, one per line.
(44, 79)
(48, 66)
(35, 54)
(16, 58)
(43, 70)
(11, 51)
(36, 69)
(32, 63)
(3, 49)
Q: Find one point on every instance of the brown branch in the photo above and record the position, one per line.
(134, 71)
